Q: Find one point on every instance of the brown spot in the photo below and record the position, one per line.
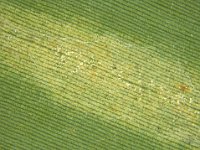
(183, 87)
